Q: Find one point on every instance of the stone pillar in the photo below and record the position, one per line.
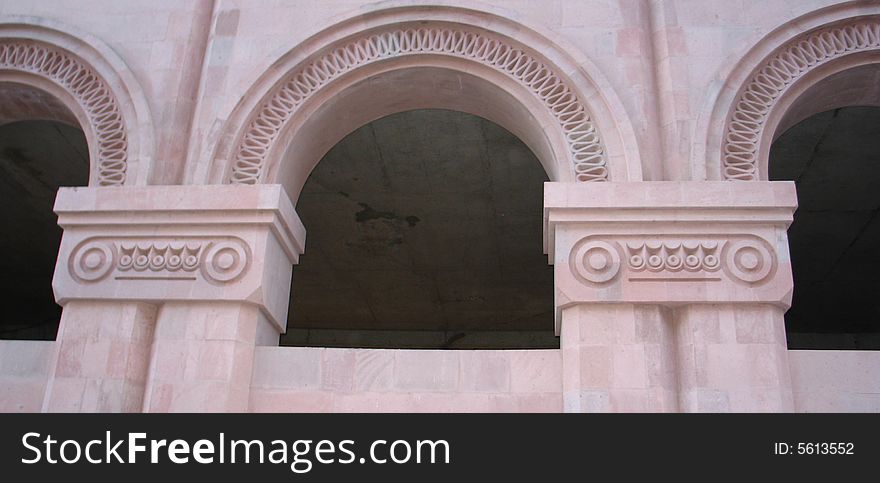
(669, 295)
(166, 291)
(733, 358)
(203, 355)
(617, 358)
(101, 358)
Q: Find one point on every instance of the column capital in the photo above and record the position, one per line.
(669, 243)
(196, 243)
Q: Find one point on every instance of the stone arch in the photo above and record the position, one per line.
(93, 84)
(766, 90)
(766, 99)
(574, 124)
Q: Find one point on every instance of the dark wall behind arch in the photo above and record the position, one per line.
(424, 230)
(36, 157)
(834, 158)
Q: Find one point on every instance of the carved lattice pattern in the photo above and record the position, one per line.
(746, 125)
(89, 90)
(585, 147)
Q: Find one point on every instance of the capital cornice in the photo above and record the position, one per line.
(194, 243)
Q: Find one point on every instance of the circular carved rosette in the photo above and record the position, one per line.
(225, 261)
(91, 261)
(595, 261)
(751, 261)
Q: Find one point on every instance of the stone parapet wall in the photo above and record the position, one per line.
(387, 380)
(380, 380)
(835, 381)
(24, 369)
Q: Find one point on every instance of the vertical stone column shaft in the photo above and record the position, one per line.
(732, 358)
(101, 359)
(202, 356)
(618, 358)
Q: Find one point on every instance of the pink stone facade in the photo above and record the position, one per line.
(652, 118)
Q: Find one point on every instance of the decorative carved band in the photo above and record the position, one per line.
(595, 261)
(217, 261)
(89, 90)
(689, 256)
(176, 257)
(746, 124)
(585, 147)
(744, 259)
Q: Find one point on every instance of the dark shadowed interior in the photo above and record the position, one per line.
(36, 157)
(424, 231)
(834, 158)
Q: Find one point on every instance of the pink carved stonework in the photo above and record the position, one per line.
(807, 52)
(652, 120)
(90, 92)
(584, 146)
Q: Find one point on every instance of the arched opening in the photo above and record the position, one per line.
(783, 80)
(424, 231)
(833, 158)
(41, 149)
(395, 61)
(396, 86)
(391, 60)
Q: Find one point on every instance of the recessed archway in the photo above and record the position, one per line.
(756, 99)
(804, 82)
(815, 113)
(399, 89)
(425, 231)
(781, 81)
(91, 83)
(554, 100)
(391, 60)
(71, 114)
